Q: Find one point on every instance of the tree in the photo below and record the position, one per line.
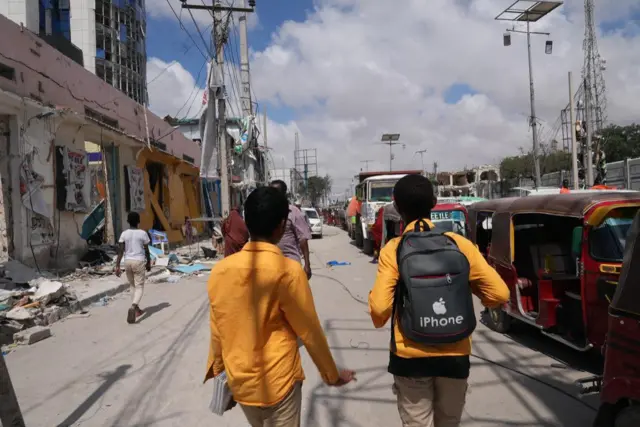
(318, 187)
(621, 142)
(522, 166)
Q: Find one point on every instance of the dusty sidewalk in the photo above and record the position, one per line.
(99, 371)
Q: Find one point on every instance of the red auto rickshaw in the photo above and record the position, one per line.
(560, 255)
(620, 385)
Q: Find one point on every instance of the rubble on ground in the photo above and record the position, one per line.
(31, 298)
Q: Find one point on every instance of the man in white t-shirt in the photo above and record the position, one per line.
(134, 246)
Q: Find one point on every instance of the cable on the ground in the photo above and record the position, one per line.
(501, 365)
(531, 377)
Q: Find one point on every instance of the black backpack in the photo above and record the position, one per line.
(433, 298)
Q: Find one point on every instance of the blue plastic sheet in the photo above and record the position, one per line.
(189, 269)
(337, 263)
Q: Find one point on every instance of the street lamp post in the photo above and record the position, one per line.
(530, 11)
(390, 139)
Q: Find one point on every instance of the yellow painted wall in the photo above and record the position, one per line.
(181, 194)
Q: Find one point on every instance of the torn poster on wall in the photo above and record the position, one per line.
(39, 211)
(135, 189)
(41, 230)
(72, 180)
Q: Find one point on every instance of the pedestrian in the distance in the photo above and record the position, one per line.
(134, 246)
(428, 299)
(295, 241)
(234, 232)
(260, 303)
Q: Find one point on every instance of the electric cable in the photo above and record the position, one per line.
(185, 29)
(235, 58)
(195, 23)
(195, 86)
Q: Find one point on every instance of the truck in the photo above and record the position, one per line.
(374, 190)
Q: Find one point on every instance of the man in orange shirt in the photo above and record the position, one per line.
(565, 187)
(430, 380)
(261, 304)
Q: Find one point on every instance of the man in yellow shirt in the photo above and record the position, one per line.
(430, 381)
(261, 304)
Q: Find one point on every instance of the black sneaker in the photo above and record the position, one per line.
(131, 315)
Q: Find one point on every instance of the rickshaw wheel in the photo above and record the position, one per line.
(498, 320)
(628, 417)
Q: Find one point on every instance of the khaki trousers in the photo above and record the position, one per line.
(430, 402)
(136, 271)
(287, 413)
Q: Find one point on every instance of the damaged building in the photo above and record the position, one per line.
(76, 154)
(481, 181)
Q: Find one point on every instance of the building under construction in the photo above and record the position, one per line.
(107, 37)
(120, 57)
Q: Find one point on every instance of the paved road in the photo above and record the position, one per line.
(100, 371)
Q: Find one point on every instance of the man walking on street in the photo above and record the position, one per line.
(297, 233)
(234, 232)
(428, 298)
(260, 303)
(134, 245)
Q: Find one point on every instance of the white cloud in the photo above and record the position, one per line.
(358, 68)
(172, 89)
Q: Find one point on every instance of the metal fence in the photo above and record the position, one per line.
(624, 174)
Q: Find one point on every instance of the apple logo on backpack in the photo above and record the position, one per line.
(439, 307)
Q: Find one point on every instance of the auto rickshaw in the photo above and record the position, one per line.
(446, 217)
(619, 387)
(560, 255)
(450, 217)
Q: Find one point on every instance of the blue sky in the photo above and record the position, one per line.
(166, 41)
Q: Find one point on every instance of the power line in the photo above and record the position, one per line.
(236, 49)
(185, 29)
(172, 63)
(195, 86)
(206, 45)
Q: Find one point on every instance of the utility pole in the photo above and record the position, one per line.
(589, 125)
(10, 414)
(390, 139)
(216, 92)
(574, 142)
(245, 78)
(366, 164)
(421, 152)
(534, 120)
(264, 127)
(530, 11)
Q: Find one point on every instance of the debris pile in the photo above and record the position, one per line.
(39, 302)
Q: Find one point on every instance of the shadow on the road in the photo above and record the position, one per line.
(147, 396)
(110, 378)
(149, 311)
(528, 378)
(331, 402)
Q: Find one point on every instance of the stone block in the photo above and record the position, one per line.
(32, 335)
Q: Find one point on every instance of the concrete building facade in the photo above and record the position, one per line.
(50, 109)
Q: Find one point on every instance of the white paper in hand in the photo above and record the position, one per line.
(221, 395)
